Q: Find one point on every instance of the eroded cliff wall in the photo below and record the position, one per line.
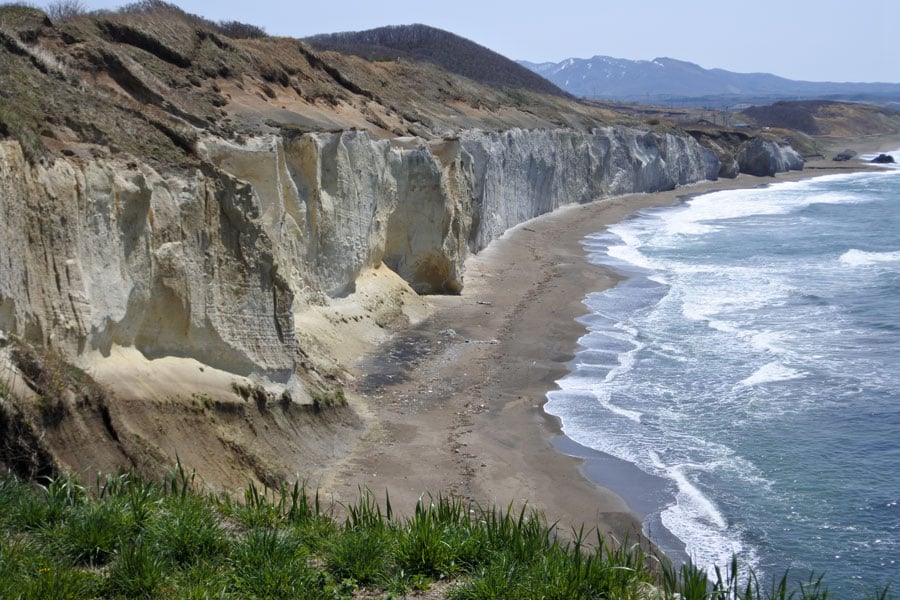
(110, 253)
(218, 265)
(519, 175)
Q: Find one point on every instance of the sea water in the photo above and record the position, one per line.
(752, 360)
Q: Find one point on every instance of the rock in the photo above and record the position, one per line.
(883, 159)
(730, 168)
(519, 174)
(844, 155)
(764, 158)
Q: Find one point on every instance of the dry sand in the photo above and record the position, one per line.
(456, 402)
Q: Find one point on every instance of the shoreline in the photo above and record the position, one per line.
(456, 403)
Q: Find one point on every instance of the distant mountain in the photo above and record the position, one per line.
(448, 50)
(670, 81)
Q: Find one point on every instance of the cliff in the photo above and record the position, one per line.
(218, 275)
(217, 264)
(252, 264)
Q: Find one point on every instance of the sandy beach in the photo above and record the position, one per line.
(456, 402)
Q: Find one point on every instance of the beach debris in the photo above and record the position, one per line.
(483, 302)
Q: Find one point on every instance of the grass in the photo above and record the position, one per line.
(132, 538)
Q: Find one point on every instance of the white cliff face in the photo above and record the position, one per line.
(103, 253)
(219, 265)
(765, 158)
(521, 174)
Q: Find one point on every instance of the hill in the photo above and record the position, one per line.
(680, 83)
(151, 80)
(825, 118)
(447, 50)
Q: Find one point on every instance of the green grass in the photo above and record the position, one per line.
(132, 538)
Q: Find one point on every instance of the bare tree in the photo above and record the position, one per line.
(63, 10)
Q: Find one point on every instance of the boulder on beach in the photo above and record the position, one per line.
(764, 158)
(844, 155)
(884, 159)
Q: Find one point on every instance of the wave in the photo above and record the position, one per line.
(768, 341)
(698, 366)
(696, 520)
(772, 372)
(698, 216)
(861, 258)
(631, 415)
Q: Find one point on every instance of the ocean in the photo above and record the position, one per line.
(751, 362)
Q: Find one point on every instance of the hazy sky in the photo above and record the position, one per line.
(816, 40)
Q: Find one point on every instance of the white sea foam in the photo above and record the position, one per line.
(631, 255)
(707, 546)
(579, 383)
(701, 213)
(768, 341)
(692, 499)
(835, 198)
(771, 373)
(695, 520)
(861, 258)
(603, 399)
(686, 222)
(596, 357)
(726, 299)
(719, 206)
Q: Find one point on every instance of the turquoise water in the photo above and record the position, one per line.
(752, 360)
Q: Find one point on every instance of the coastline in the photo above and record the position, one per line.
(456, 403)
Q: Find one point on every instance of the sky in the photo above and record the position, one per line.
(812, 40)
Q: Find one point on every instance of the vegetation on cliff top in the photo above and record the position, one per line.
(132, 538)
(150, 80)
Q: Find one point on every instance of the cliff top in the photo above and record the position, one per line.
(150, 80)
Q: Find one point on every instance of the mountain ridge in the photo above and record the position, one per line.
(648, 81)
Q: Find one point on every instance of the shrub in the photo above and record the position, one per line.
(269, 564)
(91, 533)
(238, 30)
(186, 531)
(134, 539)
(438, 540)
(363, 555)
(54, 584)
(137, 571)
